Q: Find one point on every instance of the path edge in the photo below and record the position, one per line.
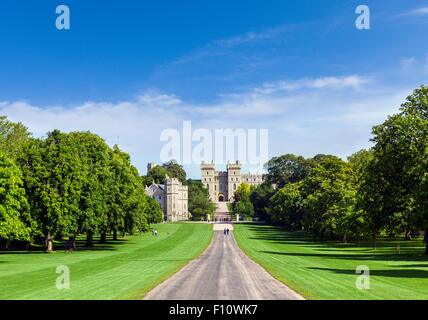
(179, 268)
(285, 284)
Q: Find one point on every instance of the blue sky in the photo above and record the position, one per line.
(127, 70)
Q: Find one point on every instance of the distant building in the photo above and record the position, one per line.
(172, 197)
(222, 185)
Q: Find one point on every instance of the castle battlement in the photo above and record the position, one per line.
(223, 184)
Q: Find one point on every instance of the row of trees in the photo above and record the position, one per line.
(66, 185)
(381, 191)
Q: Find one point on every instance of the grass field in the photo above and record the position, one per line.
(327, 270)
(123, 269)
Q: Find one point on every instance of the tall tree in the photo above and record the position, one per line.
(287, 168)
(13, 137)
(198, 197)
(53, 178)
(400, 153)
(329, 192)
(15, 219)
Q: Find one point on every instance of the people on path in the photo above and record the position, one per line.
(227, 231)
(156, 233)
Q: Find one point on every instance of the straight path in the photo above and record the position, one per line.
(222, 272)
(221, 212)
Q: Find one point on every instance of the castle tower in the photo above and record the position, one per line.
(171, 187)
(208, 178)
(233, 178)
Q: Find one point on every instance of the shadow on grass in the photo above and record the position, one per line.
(60, 246)
(387, 249)
(404, 273)
(377, 257)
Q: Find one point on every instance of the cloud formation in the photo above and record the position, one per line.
(305, 116)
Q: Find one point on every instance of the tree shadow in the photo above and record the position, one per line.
(279, 235)
(61, 246)
(377, 257)
(402, 273)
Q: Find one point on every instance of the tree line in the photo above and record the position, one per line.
(68, 184)
(380, 191)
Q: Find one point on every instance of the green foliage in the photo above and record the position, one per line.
(198, 197)
(242, 204)
(329, 193)
(286, 206)
(393, 184)
(53, 174)
(156, 175)
(153, 211)
(175, 171)
(13, 137)
(15, 219)
(287, 169)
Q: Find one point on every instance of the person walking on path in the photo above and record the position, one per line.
(156, 233)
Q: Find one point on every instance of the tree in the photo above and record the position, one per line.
(154, 212)
(175, 171)
(400, 156)
(329, 193)
(13, 137)
(287, 168)
(96, 156)
(198, 198)
(156, 175)
(286, 206)
(260, 198)
(242, 204)
(53, 178)
(15, 220)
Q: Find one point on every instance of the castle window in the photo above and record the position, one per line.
(160, 197)
(234, 186)
(207, 172)
(215, 187)
(208, 186)
(221, 188)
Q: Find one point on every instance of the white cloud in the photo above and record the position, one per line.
(419, 11)
(408, 64)
(353, 81)
(306, 116)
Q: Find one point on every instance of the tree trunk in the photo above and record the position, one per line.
(123, 234)
(358, 240)
(344, 240)
(374, 241)
(103, 238)
(48, 243)
(7, 245)
(72, 242)
(114, 235)
(408, 235)
(89, 240)
(426, 241)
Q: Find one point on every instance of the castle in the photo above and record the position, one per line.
(222, 185)
(172, 197)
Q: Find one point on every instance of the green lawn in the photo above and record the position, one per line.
(123, 269)
(327, 270)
